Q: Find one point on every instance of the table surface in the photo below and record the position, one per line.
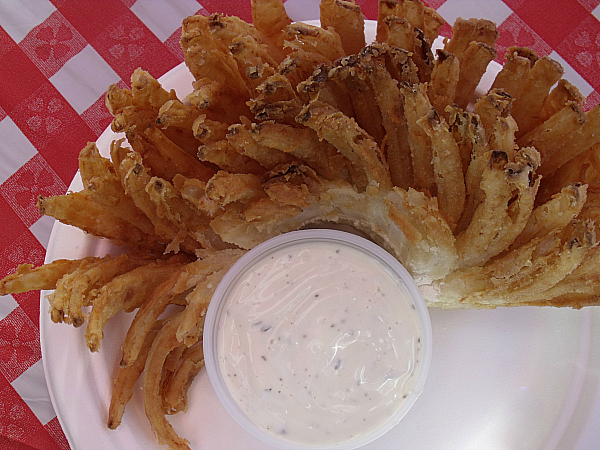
(59, 56)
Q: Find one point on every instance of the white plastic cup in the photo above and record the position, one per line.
(245, 263)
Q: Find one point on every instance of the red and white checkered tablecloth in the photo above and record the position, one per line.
(57, 58)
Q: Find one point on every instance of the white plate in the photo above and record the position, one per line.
(507, 378)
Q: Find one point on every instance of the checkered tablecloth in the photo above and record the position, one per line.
(57, 58)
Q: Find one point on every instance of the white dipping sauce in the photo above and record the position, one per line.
(318, 343)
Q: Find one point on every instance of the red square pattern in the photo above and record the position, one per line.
(553, 20)
(446, 30)
(19, 344)
(13, 90)
(54, 429)
(22, 189)
(19, 427)
(241, 9)
(368, 8)
(54, 128)
(90, 17)
(126, 44)
(512, 30)
(44, 115)
(18, 247)
(581, 49)
(11, 230)
(30, 303)
(52, 43)
(6, 42)
(9, 444)
(174, 45)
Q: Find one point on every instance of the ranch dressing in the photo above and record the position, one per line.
(318, 343)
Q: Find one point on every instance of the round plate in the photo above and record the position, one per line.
(507, 378)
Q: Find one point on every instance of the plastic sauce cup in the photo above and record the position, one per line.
(323, 312)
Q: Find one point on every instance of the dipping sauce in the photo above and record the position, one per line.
(318, 342)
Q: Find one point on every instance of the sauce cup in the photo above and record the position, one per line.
(317, 339)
